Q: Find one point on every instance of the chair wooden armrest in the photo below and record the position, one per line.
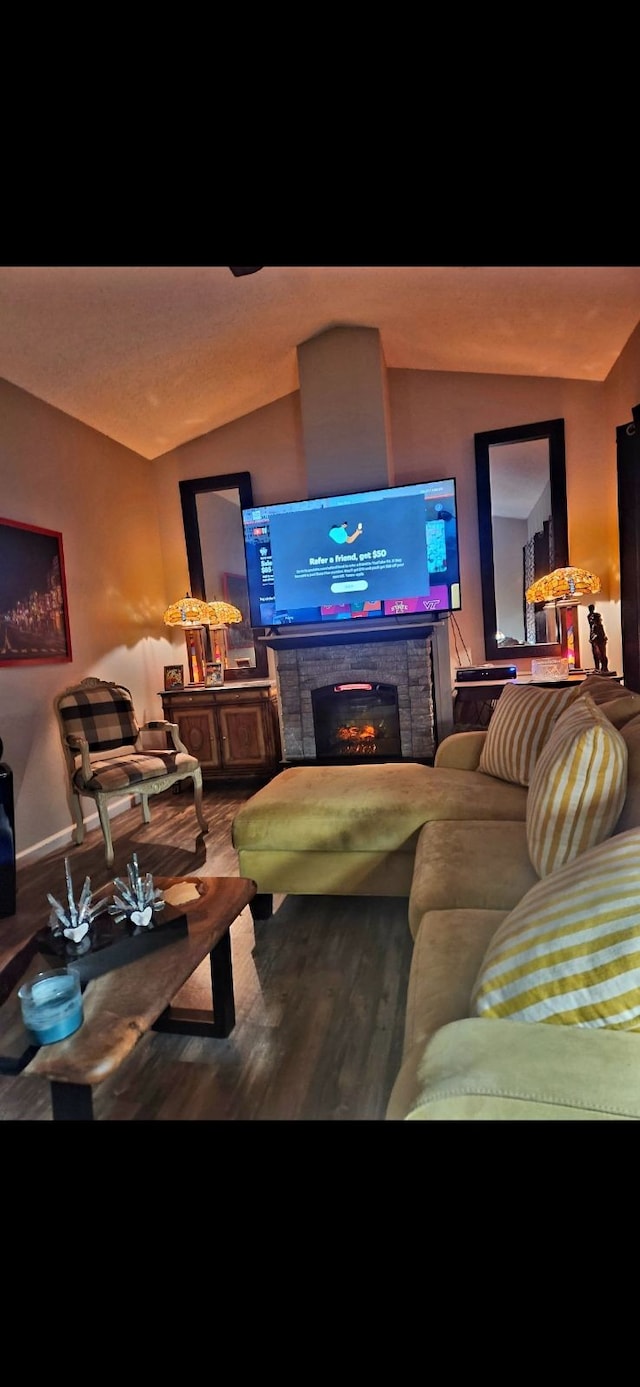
(161, 725)
(79, 743)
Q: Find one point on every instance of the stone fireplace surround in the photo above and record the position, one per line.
(405, 661)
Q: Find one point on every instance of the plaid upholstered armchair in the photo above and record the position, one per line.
(106, 757)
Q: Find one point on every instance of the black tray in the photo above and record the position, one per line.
(113, 944)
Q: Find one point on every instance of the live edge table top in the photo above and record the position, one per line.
(122, 1005)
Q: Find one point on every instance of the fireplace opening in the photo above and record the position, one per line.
(356, 721)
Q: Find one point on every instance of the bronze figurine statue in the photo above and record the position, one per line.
(598, 639)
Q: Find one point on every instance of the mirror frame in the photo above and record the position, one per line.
(190, 490)
(553, 431)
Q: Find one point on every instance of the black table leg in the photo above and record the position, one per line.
(224, 1010)
(71, 1102)
(192, 1021)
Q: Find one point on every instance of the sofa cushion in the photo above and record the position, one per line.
(469, 864)
(447, 953)
(630, 816)
(519, 728)
(621, 710)
(601, 688)
(570, 951)
(577, 787)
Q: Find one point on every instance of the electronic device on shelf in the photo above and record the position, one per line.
(474, 674)
(389, 554)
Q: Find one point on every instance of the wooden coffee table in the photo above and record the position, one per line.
(122, 1005)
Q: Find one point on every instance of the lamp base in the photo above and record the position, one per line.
(195, 655)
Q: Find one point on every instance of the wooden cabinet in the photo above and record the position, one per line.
(233, 730)
(475, 701)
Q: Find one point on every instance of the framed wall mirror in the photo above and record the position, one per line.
(523, 533)
(212, 518)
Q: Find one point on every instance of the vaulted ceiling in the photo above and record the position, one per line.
(153, 356)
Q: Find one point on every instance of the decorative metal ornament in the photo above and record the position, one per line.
(75, 923)
(138, 898)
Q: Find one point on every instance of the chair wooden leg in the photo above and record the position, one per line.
(105, 824)
(197, 800)
(79, 818)
(146, 812)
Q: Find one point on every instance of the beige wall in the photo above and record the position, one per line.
(435, 416)
(61, 475)
(124, 547)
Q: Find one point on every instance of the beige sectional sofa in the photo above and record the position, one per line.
(529, 831)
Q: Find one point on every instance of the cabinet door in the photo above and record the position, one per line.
(198, 732)
(243, 735)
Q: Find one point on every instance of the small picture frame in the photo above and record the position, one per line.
(174, 676)
(213, 673)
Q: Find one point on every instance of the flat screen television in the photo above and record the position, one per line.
(368, 554)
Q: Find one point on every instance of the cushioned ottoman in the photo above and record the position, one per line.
(353, 830)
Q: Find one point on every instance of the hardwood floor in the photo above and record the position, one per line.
(320, 990)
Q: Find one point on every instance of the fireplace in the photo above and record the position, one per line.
(356, 721)
(413, 662)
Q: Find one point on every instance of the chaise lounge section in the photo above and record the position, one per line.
(353, 830)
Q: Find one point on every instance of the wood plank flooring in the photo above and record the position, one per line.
(320, 990)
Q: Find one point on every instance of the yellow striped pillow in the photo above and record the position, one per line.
(577, 788)
(519, 727)
(570, 951)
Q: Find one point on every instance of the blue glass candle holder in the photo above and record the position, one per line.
(52, 1005)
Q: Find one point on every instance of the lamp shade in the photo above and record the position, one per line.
(190, 611)
(222, 613)
(563, 584)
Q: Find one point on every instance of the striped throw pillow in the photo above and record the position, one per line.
(577, 788)
(519, 727)
(570, 951)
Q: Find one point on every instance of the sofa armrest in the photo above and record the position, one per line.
(479, 1069)
(461, 751)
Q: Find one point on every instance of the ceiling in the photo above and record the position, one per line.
(153, 356)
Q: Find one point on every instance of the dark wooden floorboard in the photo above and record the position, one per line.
(320, 990)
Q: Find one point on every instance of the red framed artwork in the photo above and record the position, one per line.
(34, 617)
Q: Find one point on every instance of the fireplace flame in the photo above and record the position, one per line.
(356, 734)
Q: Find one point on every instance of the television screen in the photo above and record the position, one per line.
(386, 553)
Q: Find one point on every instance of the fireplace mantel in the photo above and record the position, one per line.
(349, 633)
